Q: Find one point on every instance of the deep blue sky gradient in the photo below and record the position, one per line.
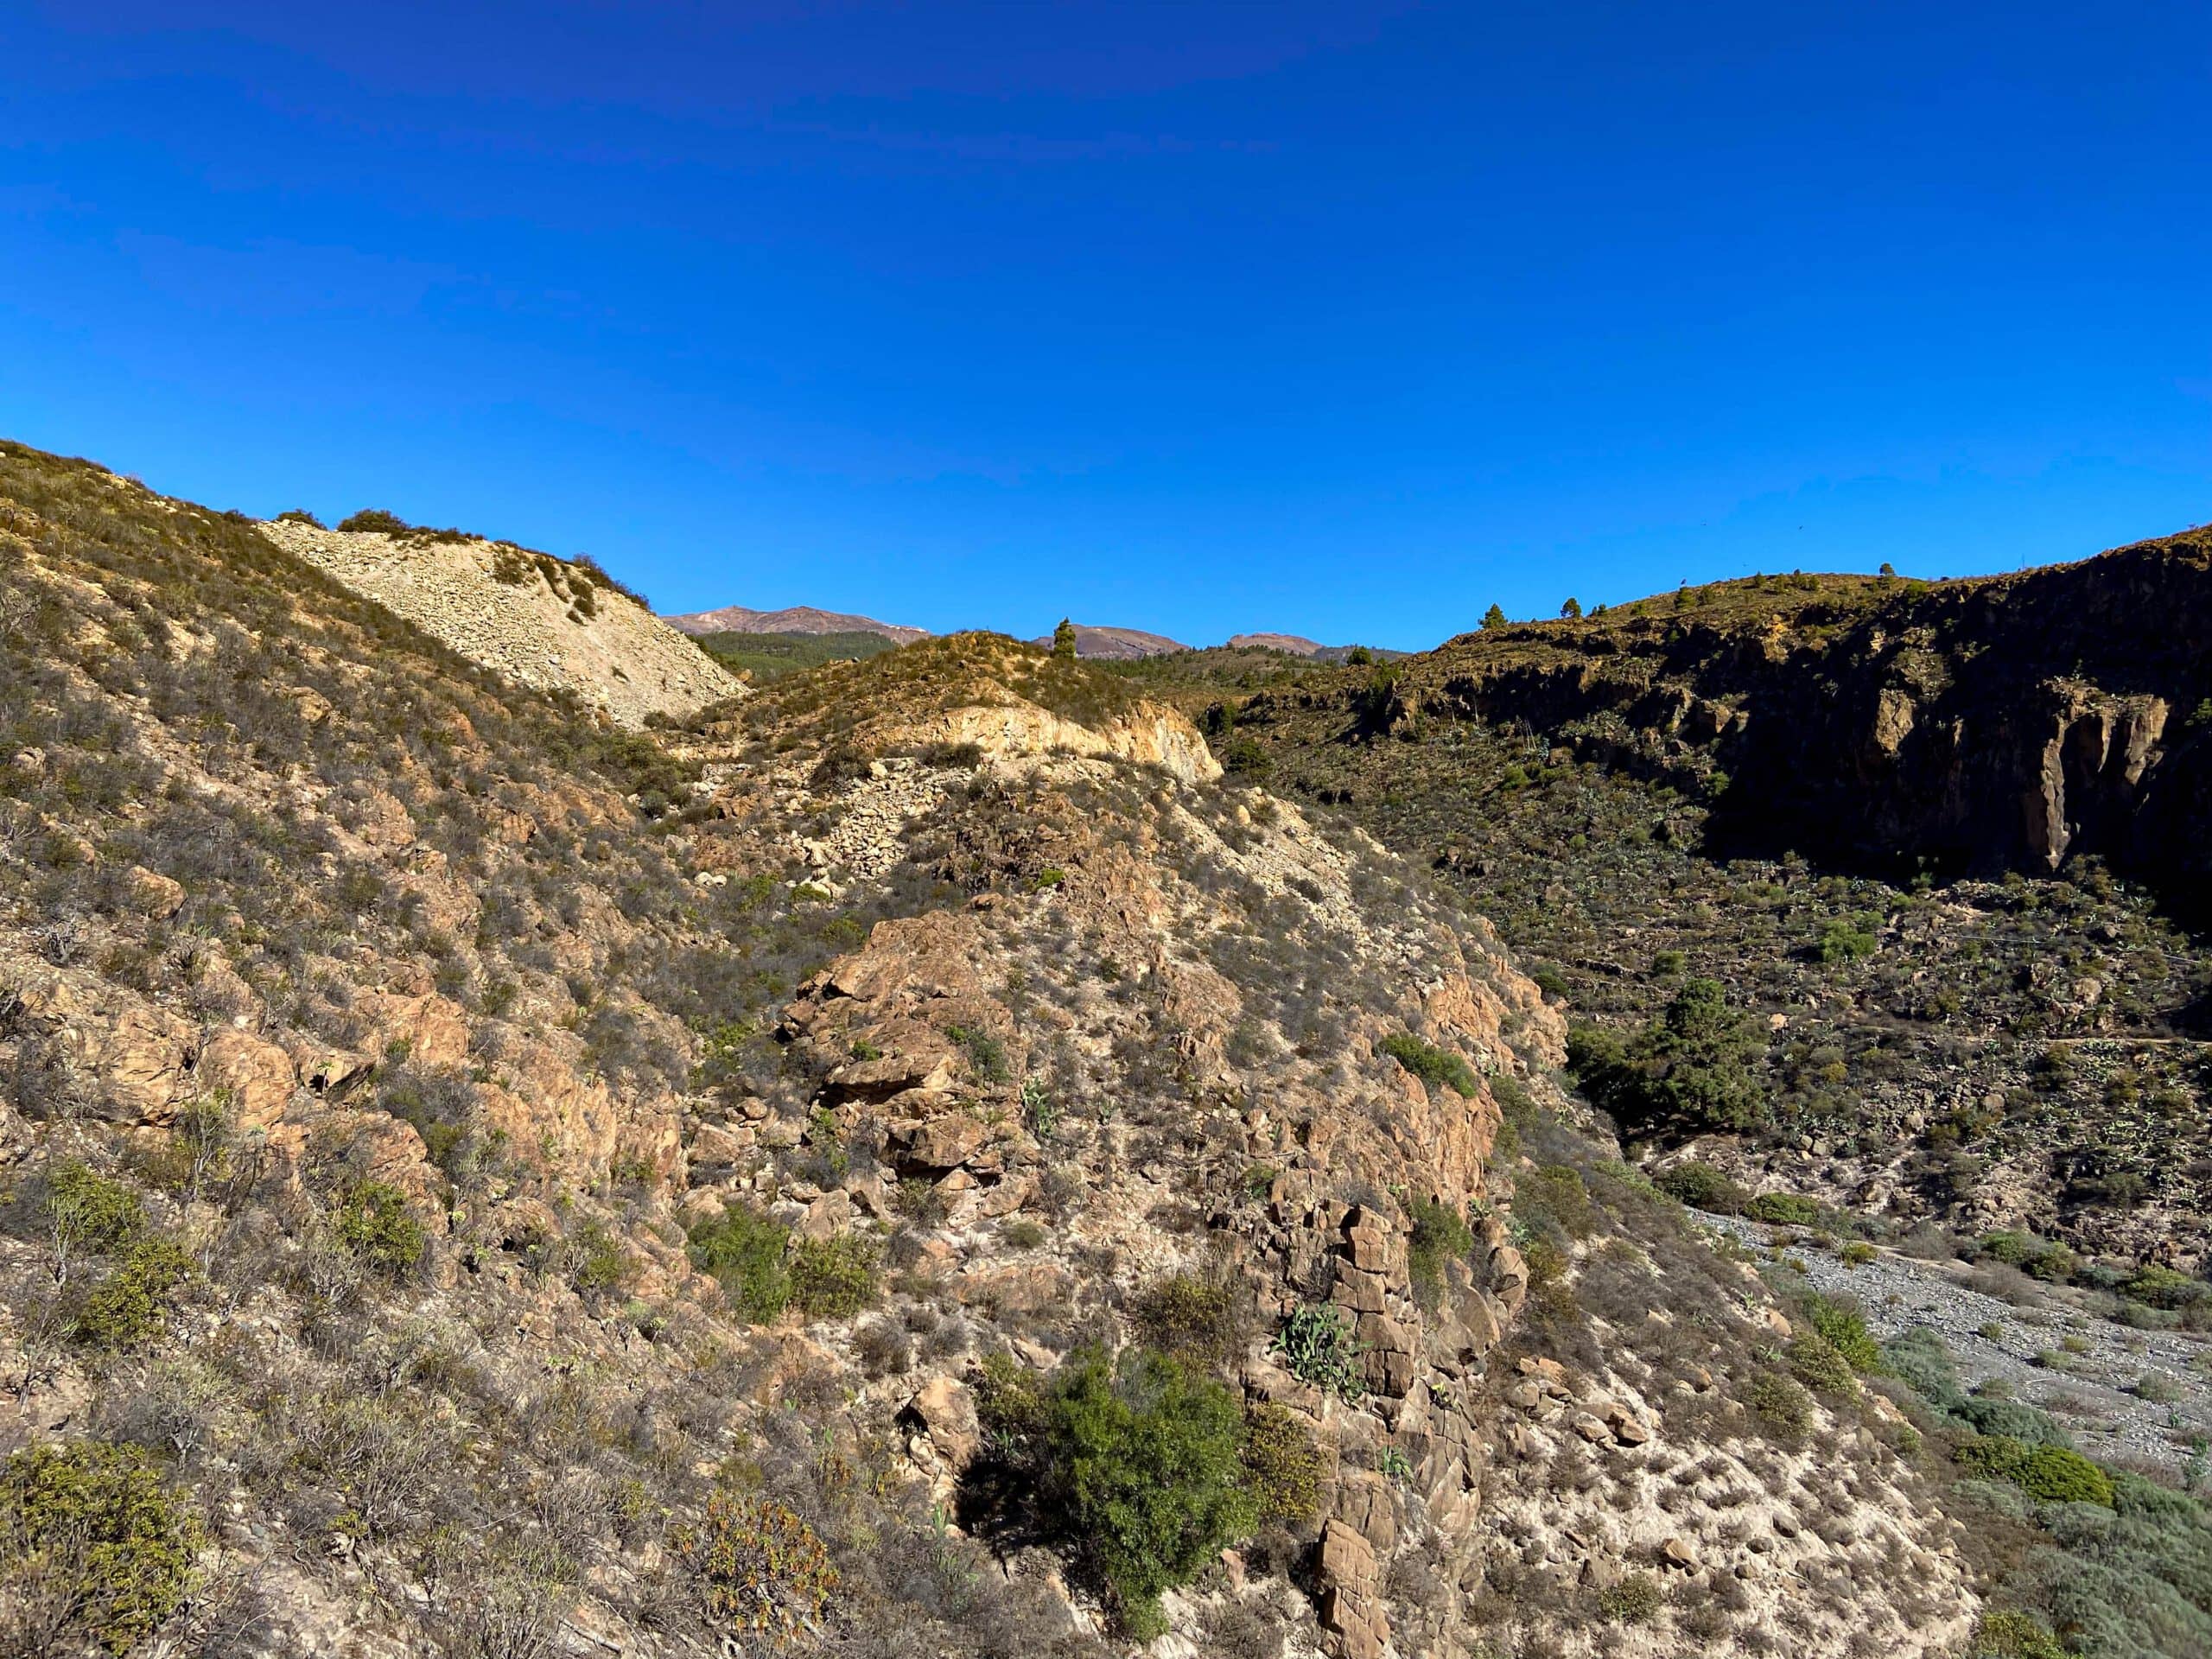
(1342, 320)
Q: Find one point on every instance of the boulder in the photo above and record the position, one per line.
(256, 1076)
(944, 1410)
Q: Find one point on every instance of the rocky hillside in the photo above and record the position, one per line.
(542, 622)
(911, 1163)
(1967, 727)
(1840, 800)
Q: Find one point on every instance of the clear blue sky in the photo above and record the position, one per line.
(1341, 319)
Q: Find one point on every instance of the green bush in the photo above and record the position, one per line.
(1318, 1344)
(832, 1278)
(2052, 1473)
(375, 518)
(2008, 1634)
(1690, 1066)
(1922, 1363)
(1780, 1402)
(598, 1261)
(1816, 1364)
(128, 1305)
(87, 1210)
(1440, 1234)
(1786, 1210)
(1703, 1187)
(1282, 1467)
(373, 1223)
(2058, 1476)
(1844, 1329)
(1555, 1196)
(743, 1251)
(1436, 1067)
(1146, 1457)
(1848, 939)
(2163, 1287)
(90, 1534)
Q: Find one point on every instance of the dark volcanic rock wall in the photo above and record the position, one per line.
(2010, 723)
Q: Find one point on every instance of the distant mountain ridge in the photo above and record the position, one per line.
(796, 618)
(1120, 645)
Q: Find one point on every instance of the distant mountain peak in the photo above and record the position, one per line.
(1117, 643)
(796, 618)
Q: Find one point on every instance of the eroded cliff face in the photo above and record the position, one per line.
(2013, 722)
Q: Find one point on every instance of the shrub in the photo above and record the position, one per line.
(375, 518)
(373, 1223)
(1147, 1457)
(1190, 1319)
(1786, 1210)
(1783, 1404)
(2058, 1476)
(1318, 1344)
(1919, 1359)
(1844, 939)
(1703, 1187)
(1635, 1599)
(2008, 1634)
(760, 1567)
(1689, 1066)
(1440, 1234)
(1554, 1195)
(2053, 1473)
(1857, 1254)
(1282, 1467)
(86, 1211)
(599, 1261)
(1816, 1363)
(1844, 1328)
(2163, 1287)
(832, 1278)
(94, 1547)
(743, 1251)
(127, 1306)
(1435, 1067)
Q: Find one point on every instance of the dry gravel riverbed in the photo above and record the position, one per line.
(2129, 1397)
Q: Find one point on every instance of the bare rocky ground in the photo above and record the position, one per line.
(2130, 1398)
(537, 620)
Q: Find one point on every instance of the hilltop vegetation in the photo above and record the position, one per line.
(768, 657)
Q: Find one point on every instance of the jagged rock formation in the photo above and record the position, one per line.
(542, 622)
(524, 1189)
(2008, 723)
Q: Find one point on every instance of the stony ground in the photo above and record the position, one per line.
(2130, 1397)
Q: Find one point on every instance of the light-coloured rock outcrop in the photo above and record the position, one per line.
(540, 621)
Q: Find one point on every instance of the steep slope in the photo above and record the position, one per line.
(476, 1183)
(543, 622)
(796, 618)
(1781, 785)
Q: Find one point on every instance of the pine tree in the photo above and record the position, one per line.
(1063, 640)
(1494, 617)
(1571, 609)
